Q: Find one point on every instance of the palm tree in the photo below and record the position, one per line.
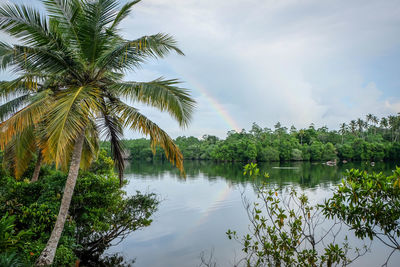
(343, 130)
(394, 126)
(384, 124)
(375, 121)
(368, 119)
(353, 125)
(77, 58)
(301, 134)
(360, 124)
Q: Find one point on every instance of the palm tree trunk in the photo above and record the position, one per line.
(47, 255)
(36, 172)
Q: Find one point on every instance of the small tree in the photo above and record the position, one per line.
(370, 205)
(290, 232)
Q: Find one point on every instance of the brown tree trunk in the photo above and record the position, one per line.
(36, 172)
(47, 255)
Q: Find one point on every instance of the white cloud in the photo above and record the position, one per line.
(273, 60)
(293, 61)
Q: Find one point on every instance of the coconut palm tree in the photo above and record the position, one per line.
(375, 122)
(353, 125)
(384, 124)
(77, 57)
(393, 122)
(360, 125)
(343, 130)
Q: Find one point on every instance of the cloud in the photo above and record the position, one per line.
(265, 61)
(291, 61)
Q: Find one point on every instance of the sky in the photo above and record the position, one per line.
(293, 61)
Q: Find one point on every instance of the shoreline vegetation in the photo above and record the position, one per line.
(371, 140)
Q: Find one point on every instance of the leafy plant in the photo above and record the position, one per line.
(8, 259)
(289, 231)
(9, 237)
(369, 203)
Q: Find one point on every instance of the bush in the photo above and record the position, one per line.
(287, 231)
(369, 203)
(99, 212)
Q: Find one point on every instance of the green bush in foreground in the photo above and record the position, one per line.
(287, 230)
(369, 203)
(100, 212)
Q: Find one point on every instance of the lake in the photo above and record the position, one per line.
(195, 213)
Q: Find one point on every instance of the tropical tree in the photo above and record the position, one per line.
(360, 125)
(384, 123)
(353, 125)
(71, 65)
(343, 130)
(375, 122)
(301, 134)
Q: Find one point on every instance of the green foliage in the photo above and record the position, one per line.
(286, 231)
(286, 234)
(374, 144)
(370, 204)
(9, 239)
(100, 212)
(8, 259)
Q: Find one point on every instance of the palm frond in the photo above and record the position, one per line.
(123, 13)
(112, 129)
(92, 30)
(125, 54)
(162, 94)
(41, 58)
(24, 118)
(67, 118)
(90, 145)
(19, 152)
(25, 23)
(138, 122)
(12, 106)
(6, 55)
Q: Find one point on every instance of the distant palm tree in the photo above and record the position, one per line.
(301, 134)
(369, 117)
(375, 122)
(367, 121)
(343, 130)
(353, 125)
(78, 52)
(360, 124)
(393, 122)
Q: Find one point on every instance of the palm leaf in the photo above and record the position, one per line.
(140, 123)
(12, 106)
(24, 118)
(123, 13)
(162, 94)
(125, 54)
(112, 128)
(25, 23)
(69, 115)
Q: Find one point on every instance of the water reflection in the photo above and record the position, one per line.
(197, 211)
(305, 174)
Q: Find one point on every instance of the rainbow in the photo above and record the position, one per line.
(218, 107)
(221, 196)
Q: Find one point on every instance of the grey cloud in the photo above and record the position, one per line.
(272, 60)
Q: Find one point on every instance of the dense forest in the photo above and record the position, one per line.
(371, 139)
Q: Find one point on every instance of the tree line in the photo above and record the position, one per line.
(371, 139)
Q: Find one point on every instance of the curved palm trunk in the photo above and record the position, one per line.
(36, 172)
(47, 255)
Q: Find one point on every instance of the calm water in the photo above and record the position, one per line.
(196, 212)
